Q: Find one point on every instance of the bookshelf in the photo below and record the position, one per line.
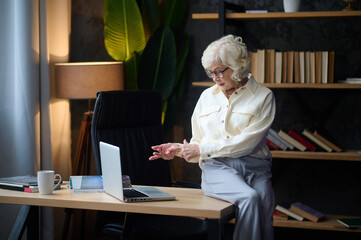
(330, 223)
(349, 155)
(278, 15)
(294, 85)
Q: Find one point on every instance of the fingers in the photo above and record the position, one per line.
(173, 149)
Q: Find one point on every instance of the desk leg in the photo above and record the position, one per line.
(33, 229)
(215, 229)
(28, 217)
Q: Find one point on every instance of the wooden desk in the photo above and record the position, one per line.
(189, 203)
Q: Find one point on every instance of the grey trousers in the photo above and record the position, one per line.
(245, 182)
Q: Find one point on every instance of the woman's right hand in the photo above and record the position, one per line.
(166, 151)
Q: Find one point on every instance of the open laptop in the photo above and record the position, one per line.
(112, 179)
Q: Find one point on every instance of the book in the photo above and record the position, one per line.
(327, 142)
(292, 141)
(276, 141)
(318, 66)
(15, 187)
(331, 66)
(26, 183)
(350, 222)
(254, 64)
(324, 68)
(27, 180)
(271, 145)
(275, 135)
(310, 136)
(279, 215)
(270, 66)
(261, 54)
(284, 67)
(285, 208)
(302, 67)
(299, 138)
(34, 189)
(354, 79)
(290, 66)
(86, 184)
(297, 67)
(256, 11)
(307, 212)
(312, 67)
(307, 67)
(351, 80)
(278, 67)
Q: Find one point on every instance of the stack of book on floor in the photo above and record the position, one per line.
(305, 141)
(271, 66)
(297, 211)
(27, 183)
(351, 81)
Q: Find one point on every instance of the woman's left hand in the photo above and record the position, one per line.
(189, 151)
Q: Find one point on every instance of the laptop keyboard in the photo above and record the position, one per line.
(132, 193)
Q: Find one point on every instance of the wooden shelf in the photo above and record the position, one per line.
(329, 223)
(294, 85)
(342, 156)
(278, 15)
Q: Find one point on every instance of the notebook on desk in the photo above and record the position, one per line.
(112, 179)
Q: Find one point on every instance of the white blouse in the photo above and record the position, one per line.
(233, 127)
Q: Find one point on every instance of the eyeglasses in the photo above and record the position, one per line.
(218, 73)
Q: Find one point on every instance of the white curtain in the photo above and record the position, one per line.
(34, 125)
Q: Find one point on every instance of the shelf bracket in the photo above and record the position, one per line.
(223, 7)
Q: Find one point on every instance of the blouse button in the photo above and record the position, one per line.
(227, 136)
(222, 121)
(235, 92)
(208, 155)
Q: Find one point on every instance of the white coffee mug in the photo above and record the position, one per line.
(291, 5)
(46, 180)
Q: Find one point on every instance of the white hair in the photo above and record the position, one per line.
(231, 52)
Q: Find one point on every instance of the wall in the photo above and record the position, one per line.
(330, 186)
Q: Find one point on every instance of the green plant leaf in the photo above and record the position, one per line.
(151, 17)
(124, 35)
(174, 13)
(123, 29)
(158, 63)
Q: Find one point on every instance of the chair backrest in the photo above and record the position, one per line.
(131, 119)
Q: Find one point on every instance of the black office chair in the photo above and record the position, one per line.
(131, 119)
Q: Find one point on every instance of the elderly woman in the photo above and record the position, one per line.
(229, 127)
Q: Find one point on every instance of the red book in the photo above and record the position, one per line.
(272, 145)
(302, 140)
(279, 215)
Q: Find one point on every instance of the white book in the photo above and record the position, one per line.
(275, 135)
(278, 67)
(292, 141)
(289, 213)
(309, 134)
